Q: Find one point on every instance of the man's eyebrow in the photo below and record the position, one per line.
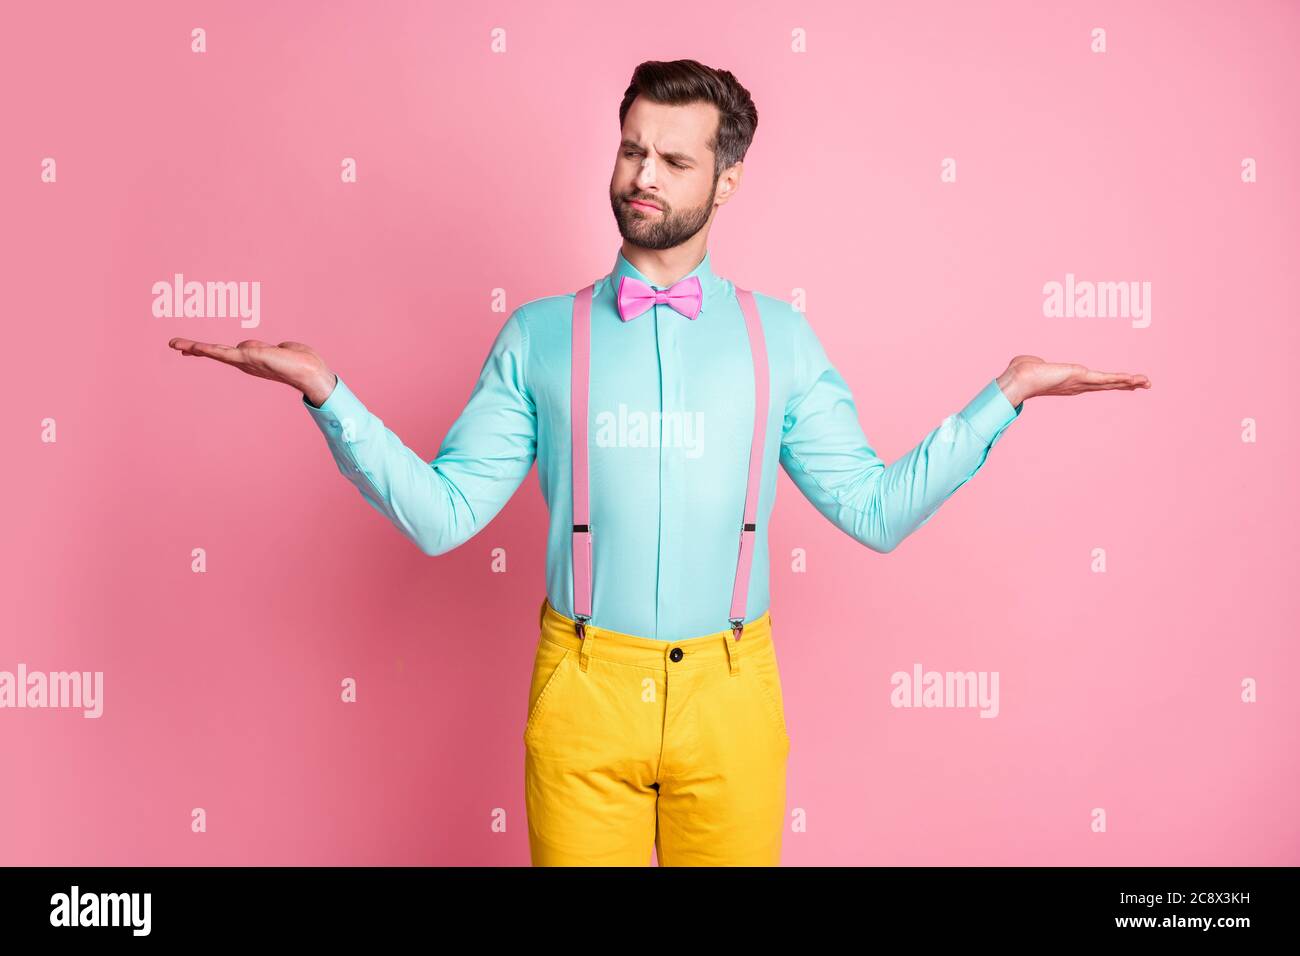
(683, 157)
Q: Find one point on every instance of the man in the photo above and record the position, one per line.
(655, 712)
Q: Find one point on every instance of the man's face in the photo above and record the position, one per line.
(663, 188)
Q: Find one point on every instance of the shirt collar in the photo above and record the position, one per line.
(710, 283)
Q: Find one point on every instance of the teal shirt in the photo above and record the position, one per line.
(670, 422)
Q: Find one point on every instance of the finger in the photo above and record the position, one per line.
(222, 353)
(253, 343)
(184, 344)
(1128, 382)
(295, 346)
(1111, 379)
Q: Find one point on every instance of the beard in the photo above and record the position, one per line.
(662, 230)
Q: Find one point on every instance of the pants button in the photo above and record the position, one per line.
(675, 654)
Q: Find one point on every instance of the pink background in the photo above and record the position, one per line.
(479, 170)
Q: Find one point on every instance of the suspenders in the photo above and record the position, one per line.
(581, 374)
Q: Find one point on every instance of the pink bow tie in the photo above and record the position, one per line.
(635, 297)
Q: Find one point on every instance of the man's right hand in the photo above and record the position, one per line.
(289, 362)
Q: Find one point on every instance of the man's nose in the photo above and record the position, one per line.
(646, 174)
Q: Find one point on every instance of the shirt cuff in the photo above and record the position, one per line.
(338, 411)
(989, 412)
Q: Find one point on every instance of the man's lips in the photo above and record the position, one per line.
(643, 205)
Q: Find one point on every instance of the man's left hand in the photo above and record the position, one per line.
(1029, 376)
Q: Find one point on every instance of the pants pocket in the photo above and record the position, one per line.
(548, 671)
(763, 666)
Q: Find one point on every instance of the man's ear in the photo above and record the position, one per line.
(729, 182)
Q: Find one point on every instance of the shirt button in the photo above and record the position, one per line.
(675, 653)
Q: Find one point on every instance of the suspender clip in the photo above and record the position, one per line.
(584, 651)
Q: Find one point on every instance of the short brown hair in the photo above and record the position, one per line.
(678, 82)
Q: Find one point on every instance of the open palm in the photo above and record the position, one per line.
(292, 363)
(1038, 377)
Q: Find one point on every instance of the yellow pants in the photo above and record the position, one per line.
(632, 742)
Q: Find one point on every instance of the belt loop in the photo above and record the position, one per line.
(584, 652)
(733, 652)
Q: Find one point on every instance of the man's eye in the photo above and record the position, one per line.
(673, 163)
